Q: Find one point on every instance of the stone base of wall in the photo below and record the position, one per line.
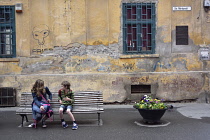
(116, 87)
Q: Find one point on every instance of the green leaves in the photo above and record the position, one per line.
(148, 103)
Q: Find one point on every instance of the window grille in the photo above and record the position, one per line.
(7, 32)
(7, 96)
(139, 28)
(181, 35)
(138, 89)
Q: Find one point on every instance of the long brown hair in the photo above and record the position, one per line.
(38, 87)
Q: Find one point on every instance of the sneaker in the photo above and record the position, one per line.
(44, 124)
(64, 124)
(32, 125)
(75, 126)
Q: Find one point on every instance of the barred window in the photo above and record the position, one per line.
(7, 32)
(7, 96)
(139, 28)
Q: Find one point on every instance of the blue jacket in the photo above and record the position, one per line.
(39, 100)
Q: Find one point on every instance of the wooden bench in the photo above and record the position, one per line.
(86, 102)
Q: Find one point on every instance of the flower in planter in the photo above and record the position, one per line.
(148, 103)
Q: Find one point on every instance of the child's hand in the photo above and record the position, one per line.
(60, 102)
(67, 99)
(42, 108)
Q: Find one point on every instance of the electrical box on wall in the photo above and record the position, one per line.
(204, 53)
(207, 3)
(19, 7)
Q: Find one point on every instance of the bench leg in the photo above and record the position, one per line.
(24, 115)
(99, 118)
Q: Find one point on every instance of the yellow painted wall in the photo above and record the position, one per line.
(94, 22)
(164, 20)
(82, 39)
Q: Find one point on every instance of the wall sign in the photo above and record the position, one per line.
(182, 8)
(204, 54)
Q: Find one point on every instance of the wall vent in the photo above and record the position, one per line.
(182, 35)
(7, 96)
(140, 89)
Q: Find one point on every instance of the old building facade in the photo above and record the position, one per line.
(124, 48)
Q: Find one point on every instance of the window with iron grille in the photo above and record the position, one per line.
(7, 32)
(139, 28)
(7, 96)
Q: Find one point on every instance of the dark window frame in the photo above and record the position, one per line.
(7, 32)
(139, 28)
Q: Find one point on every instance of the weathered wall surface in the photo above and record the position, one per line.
(81, 41)
(169, 86)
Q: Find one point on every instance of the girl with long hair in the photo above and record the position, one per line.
(40, 104)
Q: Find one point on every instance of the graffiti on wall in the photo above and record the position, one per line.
(39, 33)
(128, 66)
(161, 65)
(106, 69)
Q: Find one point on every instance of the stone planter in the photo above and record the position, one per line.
(151, 116)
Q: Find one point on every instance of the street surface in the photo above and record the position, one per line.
(188, 121)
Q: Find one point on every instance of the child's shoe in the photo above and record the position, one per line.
(44, 124)
(75, 126)
(64, 124)
(32, 125)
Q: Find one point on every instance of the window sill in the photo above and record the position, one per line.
(9, 59)
(140, 56)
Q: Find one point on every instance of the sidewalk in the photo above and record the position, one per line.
(190, 110)
(188, 121)
(193, 110)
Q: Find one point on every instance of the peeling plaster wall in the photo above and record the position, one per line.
(81, 41)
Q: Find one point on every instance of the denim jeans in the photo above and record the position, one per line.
(37, 115)
(65, 107)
